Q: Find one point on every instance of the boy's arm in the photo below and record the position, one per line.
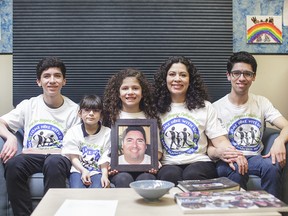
(85, 175)
(278, 149)
(221, 148)
(10, 146)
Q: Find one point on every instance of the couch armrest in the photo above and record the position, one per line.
(19, 136)
(5, 208)
(268, 139)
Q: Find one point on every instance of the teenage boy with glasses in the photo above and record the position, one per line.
(244, 115)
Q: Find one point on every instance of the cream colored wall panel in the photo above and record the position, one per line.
(272, 80)
(6, 84)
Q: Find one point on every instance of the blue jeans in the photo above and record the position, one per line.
(269, 173)
(76, 182)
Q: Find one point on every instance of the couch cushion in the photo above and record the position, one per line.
(36, 186)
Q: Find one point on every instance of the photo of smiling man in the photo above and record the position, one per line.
(133, 146)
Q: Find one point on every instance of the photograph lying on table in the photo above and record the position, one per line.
(215, 184)
(229, 201)
(134, 145)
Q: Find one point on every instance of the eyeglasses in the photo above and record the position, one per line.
(87, 110)
(247, 74)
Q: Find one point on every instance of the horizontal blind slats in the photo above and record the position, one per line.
(97, 38)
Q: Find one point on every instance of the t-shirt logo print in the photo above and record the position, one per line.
(180, 136)
(245, 134)
(45, 136)
(90, 158)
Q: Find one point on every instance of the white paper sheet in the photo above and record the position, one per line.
(87, 207)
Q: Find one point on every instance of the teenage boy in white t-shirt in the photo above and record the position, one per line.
(44, 119)
(244, 114)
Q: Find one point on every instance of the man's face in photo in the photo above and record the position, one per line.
(134, 147)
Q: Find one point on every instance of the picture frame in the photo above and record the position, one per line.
(121, 145)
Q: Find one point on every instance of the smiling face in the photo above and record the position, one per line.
(134, 147)
(130, 94)
(177, 80)
(90, 117)
(52, 81)
(240, 86)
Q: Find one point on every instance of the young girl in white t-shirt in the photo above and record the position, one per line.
(87, 145)
(128, 95)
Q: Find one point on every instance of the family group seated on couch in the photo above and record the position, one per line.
(197, 139)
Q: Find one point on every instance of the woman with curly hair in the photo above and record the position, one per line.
(187, 120)
(128, 95)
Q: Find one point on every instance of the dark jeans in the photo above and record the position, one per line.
(123, 179)
(54, 167)
(194, 171)
(269, 173)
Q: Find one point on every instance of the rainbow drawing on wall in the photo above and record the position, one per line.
(264, 29)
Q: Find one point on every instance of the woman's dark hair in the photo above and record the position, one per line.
(196, 92)
(112, 103)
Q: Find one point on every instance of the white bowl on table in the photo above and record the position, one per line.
(151, 189)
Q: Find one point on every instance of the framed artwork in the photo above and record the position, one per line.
(259, 26)
(264, 29)
(6, 26)
(134, 145)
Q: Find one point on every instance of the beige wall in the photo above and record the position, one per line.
(271, 81)
(5, 83)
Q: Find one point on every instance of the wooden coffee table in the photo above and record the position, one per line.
(129, 202)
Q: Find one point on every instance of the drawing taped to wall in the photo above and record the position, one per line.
(264, 29)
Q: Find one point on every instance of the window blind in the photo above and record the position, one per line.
(97, 38)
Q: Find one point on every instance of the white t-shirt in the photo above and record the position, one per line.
(126, 115)
(184, 131)
(138, 115)
(245, 123)
(146, 160)
(93, 150)
(44, 127)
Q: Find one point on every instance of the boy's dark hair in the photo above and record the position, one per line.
(50, 62)
(239, 57)
(93, 102)
(134, 128)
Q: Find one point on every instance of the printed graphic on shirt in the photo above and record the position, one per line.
(245, 134)
(90, 158)
(180, 136)
(45, 136)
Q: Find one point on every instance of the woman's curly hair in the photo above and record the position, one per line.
(196, 93)
(112, 104)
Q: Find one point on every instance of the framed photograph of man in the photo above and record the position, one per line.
(134, 145)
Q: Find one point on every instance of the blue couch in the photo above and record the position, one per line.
(36, 180)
